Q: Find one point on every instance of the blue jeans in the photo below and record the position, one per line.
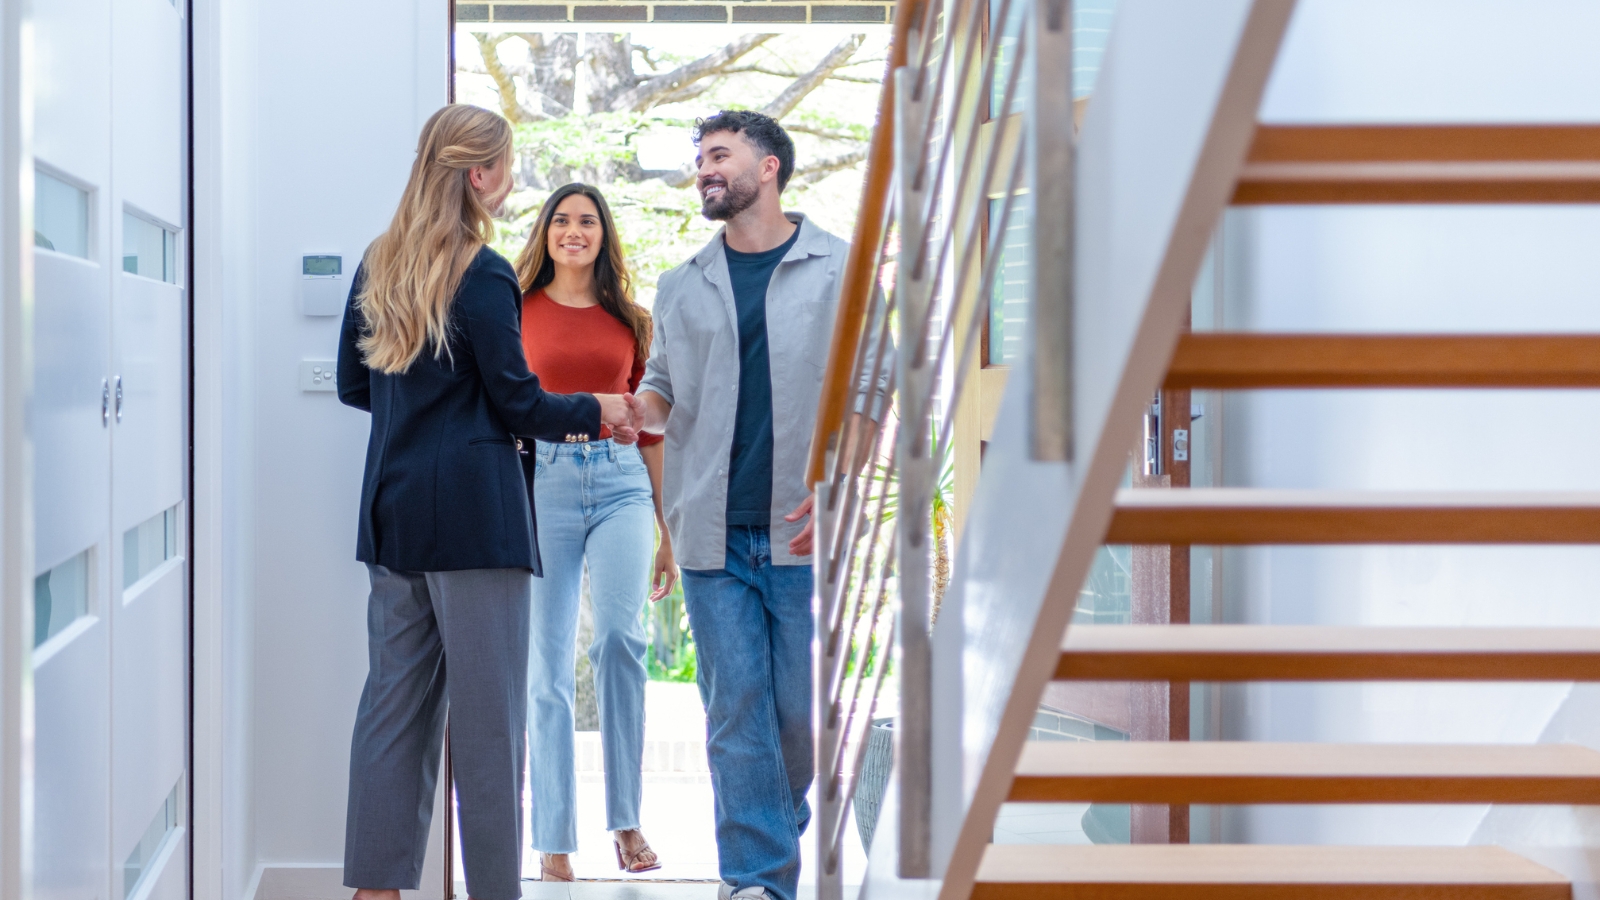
(594, 504)
(752, 631)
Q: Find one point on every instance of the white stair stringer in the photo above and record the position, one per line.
(1166, 135)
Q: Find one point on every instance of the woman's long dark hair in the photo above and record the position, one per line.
(613, 285)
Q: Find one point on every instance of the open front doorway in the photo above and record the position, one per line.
(607, 95)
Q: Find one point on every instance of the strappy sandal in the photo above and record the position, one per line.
(547, 874)
(645, 860)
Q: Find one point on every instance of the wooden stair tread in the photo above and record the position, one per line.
(1319, 164)
(1326, 653)
(1236, 772)
(1230, 360)
(1256, 871)
(1256, 516)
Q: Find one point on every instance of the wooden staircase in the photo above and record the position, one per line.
(1317, 165)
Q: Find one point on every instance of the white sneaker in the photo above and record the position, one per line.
(725, 891)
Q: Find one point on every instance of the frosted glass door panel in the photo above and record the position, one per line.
(148, 711)
(71, 337)
(148, 453)
(71, 743)
(71, 86)
(147, 107)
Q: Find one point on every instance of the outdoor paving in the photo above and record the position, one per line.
(676, 815)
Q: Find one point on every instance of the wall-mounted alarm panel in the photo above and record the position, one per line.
(323, 288)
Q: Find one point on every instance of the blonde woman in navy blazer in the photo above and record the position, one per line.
(431, 346)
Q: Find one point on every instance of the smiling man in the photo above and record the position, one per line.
(741, 337)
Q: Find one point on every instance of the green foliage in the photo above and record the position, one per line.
(827, 121)
(669, 654)
(661, 225)
(586, 141)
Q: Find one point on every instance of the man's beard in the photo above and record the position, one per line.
(737, 196)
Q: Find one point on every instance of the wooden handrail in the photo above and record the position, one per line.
(860, 269)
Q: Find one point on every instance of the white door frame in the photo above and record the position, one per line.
(16, 463)
(207, 344)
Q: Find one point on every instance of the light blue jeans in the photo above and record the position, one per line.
(752, 631)
(594, 504)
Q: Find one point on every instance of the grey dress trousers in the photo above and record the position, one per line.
(477, 619)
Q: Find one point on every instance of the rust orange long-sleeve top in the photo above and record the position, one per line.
(586, 349)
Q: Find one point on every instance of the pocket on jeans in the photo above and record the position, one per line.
(629, 462)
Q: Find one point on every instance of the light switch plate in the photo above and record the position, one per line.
(317, 375)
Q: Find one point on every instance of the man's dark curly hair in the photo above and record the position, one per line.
(759, 129)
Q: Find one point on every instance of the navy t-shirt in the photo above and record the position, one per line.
(750, 460)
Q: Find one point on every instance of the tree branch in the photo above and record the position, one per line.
(488, 47)
(824, 133)
(809, 174)
(761, 70)
(682, 177)
(651, 91)
(794, 93)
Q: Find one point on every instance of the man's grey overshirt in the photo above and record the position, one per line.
(694, 365)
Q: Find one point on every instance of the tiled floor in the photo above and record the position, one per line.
(1041, 823)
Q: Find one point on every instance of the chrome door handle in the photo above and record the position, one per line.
(105, 403)
(119, 399)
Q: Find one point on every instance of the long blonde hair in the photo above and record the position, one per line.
(412, 270)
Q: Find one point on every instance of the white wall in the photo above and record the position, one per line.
(307, 117)
(1453, 268)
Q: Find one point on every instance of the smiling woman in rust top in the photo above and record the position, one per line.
(582, 331)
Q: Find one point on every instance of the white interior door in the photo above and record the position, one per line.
(110, 404)
(72, 440)
(149, 615)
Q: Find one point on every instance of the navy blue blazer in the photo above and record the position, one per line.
(445, 487)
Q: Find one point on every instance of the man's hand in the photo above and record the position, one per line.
(653, 410)
(801, 544)
(616, 413)
(638, 409)
(664, 573)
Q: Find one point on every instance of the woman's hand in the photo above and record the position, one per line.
(664, 574)
(617, 413)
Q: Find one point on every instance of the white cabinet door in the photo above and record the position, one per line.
(149, 696)
(72, 446)
(110, 431)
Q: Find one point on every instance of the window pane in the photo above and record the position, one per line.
(1008, 298)
(148, 249)
(164, 823)
(148, 545)
(60, 216)
(1091, 29)
(1003, 40)
(60, 597)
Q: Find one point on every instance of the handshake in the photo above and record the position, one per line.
(623, 414)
